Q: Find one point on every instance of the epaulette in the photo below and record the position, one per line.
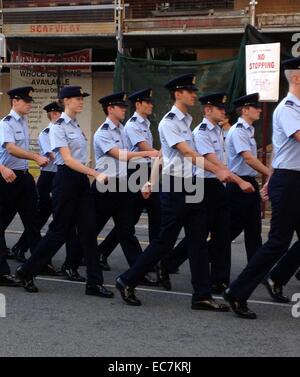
(289, 103)
(46, 130)
(105, 126)
(8, 117)
(239, 125)
(133, 119)
(202, 127)
(170, 116)
(59, 121)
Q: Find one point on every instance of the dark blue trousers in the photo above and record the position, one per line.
(178, 214)
(284, 188)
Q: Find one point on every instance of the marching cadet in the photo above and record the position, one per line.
(177, 211)
(209, 143)
(111, 151)
(241, 150)
(283, 188)
(139, 138)
(44, 187)
(73, 205)
(18, 195)
(6, 279)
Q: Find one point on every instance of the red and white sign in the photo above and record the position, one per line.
(81, 56)
(263, 70)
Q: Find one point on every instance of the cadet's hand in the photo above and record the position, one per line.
(264, 192)
(100, 177)
(8, 175)
(223, 175)
(151, 153)
(247, 187)
(41, 160)
(146, 190)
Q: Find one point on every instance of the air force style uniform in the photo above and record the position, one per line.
(284, 188)
(19, 196)
(44, 185)
(245, 207)
(176, 212)
(137, 129)
(72, 200)
(113, 202)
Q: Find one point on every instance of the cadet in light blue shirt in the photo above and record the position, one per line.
(286, 121)
(73, 205)
(242, 160)
(19, 197)
(139, 138)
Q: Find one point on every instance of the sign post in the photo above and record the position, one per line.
(262, 76)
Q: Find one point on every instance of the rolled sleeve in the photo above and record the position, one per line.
(241, 141)
(104, 140)
(58, 138)
(172, 134)
(289, 120)
(204, 145)
(134, 134)
(6, 134)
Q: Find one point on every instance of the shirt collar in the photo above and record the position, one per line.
(111, 124)
(14, 114)
(140, 119)
(67, 119)
(293, 98)
(210, 126)
(244, 123)
(180, 115)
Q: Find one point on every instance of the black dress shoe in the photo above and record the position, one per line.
(239, 307)
(209, 304)
(72, 274)
(104, 264)
(98, 290)
(163, 277)
(26, 281)
(148, 281)
(218, 289)
(9, 281)
(127, 293)
(50, 270)
(18, 254)
(297, 275)
(275, 290)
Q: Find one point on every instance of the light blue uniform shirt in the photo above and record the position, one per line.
(45, 147)
(107, 137)
(286, 121)
(240, 138)
(66, 132)
(13, 129)
(174, 128)
(209, 139)
(137, 129)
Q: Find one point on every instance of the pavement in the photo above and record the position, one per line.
(61, 320)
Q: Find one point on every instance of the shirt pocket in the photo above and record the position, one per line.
(19, 135)
(216, 144)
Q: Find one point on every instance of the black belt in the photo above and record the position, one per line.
(21, 172)
(246, 177)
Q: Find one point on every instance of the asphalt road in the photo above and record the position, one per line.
(61, 320)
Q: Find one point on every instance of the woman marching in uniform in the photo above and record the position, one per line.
(72, 199)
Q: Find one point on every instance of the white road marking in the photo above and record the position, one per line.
(166, 292)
